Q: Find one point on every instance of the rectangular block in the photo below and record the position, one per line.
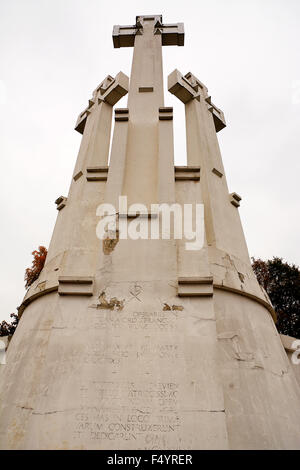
(173, 34)
(71, 285)
(123, 36)
(60, 202)
(235, 199)
(187, 173)
(145, 89)
(77, 176)
(217, 172)
(121, 114)
(195, 287)
(165, 113)
(97, 173)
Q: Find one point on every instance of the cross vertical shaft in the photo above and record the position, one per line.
(141, 173)
(146, 80)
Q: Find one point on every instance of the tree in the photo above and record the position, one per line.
(31, 275)
(8, 329)
(39, 258)
(282, 283)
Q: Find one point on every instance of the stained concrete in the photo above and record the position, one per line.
(141, 344)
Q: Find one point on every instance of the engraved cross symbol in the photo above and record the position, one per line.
(135, 291)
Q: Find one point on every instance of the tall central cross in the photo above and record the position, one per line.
(147, 37)
(145, 145)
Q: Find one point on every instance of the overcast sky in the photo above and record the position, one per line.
(53, 53)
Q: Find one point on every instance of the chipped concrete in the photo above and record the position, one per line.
(167, 307)
(112, 304)
(109, 244)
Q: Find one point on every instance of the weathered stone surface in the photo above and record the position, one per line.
(292, 349)
(141, 344)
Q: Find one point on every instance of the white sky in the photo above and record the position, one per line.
(53, 53)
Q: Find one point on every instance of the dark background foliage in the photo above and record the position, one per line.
(282, 283)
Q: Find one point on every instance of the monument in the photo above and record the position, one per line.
(141, 343)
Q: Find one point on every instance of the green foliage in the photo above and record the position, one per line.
(8, 329)
(282, 283)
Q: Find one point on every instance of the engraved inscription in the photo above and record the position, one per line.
(150, 414)
(155, 321)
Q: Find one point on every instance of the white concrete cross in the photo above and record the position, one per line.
(172, 34)
(188, 87)
(110, 90)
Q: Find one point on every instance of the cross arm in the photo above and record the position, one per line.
(123, 36)
(110, 90)
(188, 87)
(172, 34)
(218, 115)
(179, 86)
